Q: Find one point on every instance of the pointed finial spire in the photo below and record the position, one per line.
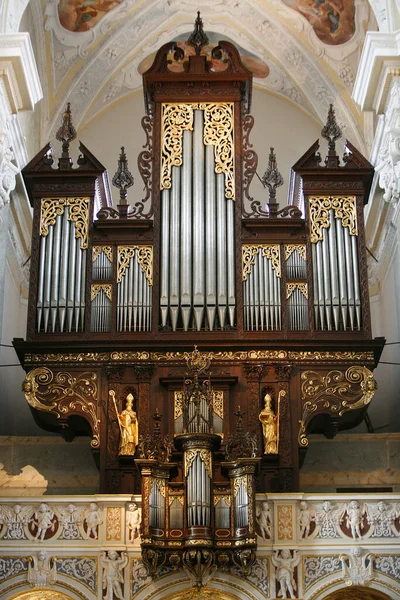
(198, 38)
(272, 177)
(65, 134)
(123, 177)
(331, 131)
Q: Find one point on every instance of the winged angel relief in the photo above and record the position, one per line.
(43, 522)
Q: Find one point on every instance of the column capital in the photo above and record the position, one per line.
(379, 64)
(19, 72)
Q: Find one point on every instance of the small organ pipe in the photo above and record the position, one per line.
(64, 269)
(334, 269)
(349, 276)
(342, 272)
(55, 272)
(320, 284)
(71, 280)
(41, 282)
(327, 279)
(357, 297)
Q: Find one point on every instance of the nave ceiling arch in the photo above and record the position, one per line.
(357, 593)
(96, 68)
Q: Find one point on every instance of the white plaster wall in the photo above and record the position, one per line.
(385, 307)
(16, 418)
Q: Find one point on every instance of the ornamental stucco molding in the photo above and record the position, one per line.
(18, 69)
(11, 12)
(379, 63)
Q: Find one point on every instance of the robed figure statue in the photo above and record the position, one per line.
(128, 426)
(270, 426)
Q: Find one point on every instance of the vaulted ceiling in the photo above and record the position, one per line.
(91, 53)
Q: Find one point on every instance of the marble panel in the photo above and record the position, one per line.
(342, 455)
(394, 454)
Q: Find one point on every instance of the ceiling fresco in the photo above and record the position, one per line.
(93, 52)
(332, 20)
(81, 15)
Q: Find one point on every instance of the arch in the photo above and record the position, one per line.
(357, 592)
(204, 594)
(41, 595)
(177, 586)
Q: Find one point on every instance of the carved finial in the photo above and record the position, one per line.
(197, 361)
(123, 177)
(198, 38)
(65, 134)
(272, 177)
(331, 131)
(239, 414)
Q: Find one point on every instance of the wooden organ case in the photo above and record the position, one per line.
(264, 312)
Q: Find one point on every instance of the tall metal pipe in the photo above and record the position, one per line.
(186, 230)
(210, 236)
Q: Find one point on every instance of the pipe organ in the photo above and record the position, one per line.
(275, 299)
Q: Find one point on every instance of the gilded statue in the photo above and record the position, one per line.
(129, 427)
(270, 426)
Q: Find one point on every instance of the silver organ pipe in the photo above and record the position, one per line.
(174, 248)
(222, 514)
(197, 275)
(133, 290)
(297, 307)
(210, 254)
(186, 230)
(62, 274)
(156, 507)
(101, 307)
(241, 506)
(337, 301)
(198, 494)
(176, 514)
(165, 242)
(261, 290)
(198, 220)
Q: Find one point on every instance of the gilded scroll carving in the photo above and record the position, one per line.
(145, 260)
(302, 287)
(176, 118)
(218, 132)
(97, 250)
(51, 208)
(249, 253)
(299, 248)
(62, 394)
(344, 208)
(336, 393)
(96, 288)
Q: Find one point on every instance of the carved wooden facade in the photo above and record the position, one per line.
(120, 296)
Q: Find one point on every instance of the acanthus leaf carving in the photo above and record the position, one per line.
(64, 394)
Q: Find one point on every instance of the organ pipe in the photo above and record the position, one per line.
(337, 301)
(62, 265)
(197, 278)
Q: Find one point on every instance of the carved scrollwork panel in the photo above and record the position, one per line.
(64, 394)
(344, 208)
(335, 393)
